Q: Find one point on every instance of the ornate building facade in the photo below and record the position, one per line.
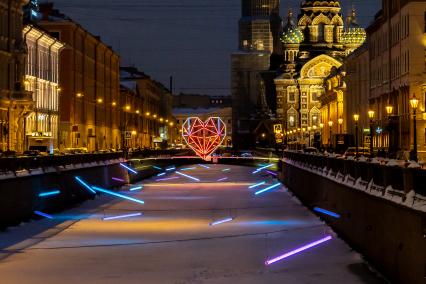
(15, 102)
(313, 48)
(42, 79)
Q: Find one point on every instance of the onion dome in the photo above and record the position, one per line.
(353, 34)
(291, 32)
(319, 3)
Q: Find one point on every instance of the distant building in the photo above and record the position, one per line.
(89, 80)
(197, 101)
(147, 115)
(259, 30)
(15, 102)
(42, 79)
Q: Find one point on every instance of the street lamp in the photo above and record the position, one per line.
(321, 130)
(389, 111)
(309, 135)
(414, 102)
(340, 121)
(330, 124)
(371, 117)
(356, 118)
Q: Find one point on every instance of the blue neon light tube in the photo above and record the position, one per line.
(83, 183)
(257, 184)
(188, 176)
(221, 221)
(128, 168)
(332, 214)
(262, 168)
(49, 193)
(122, 216)
(118, 195)
(135, 188)
(43, 214)
(268, 188)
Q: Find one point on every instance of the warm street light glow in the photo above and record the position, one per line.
(134, 132)
(59, 89)
(263, 135)
(137, 111)
(303, 129)
(356, 117)
(321, 125)
(100, 100)
(167, 120)
(79, 95)
(161, 119)
(340, 121)
(154, 116)
(330, 123)
(309, 128)
(171, 123)
(114, 104)
(414, 102)
(147, 113)
(389, 109)
(371, 114)
(314, 127)
(127, 107)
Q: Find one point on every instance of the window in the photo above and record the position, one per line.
(291, 97)
(315, 119)
(314, 97)
(292, 121)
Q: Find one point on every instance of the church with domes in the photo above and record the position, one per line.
(314, 46)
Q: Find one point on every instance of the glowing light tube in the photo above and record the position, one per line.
(118, 195)
(222, 179)
(161, 179)
(293, 252)
(332, 214)
(221, 221)
(122, 216)
(257, 184)
(188, 176)
(157, 168)
(49, 193)
(204, 166)
(160, 174)
(128, 168)
(262, 168)
(226, 170)
(268, 188)
(118, 179)
(171, 169)
(187, 169)
(272, 173)
(135, 188)
(85, 185)
(43, 214)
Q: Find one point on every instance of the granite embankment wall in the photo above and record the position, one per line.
(391, 234)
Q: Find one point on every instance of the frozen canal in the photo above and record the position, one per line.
(174, 241)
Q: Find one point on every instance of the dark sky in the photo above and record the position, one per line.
(189, 39)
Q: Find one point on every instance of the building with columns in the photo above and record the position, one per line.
(15, 102)
(89, 82)
(397, 41)
(42, 79)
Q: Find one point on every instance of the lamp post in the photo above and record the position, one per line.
(389, 111)
(356, 118)
(321, 134)
(371, 117)
(340, 121)
(414, 102)
(330, 125)
(309, 135)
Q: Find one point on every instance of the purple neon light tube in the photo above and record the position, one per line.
(118, 179)
(222, 179)
(271, 173)
(296, 251)
(161, 179)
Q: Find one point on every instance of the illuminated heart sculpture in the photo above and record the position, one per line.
(204, 137)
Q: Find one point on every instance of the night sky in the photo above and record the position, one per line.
(189, 39)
